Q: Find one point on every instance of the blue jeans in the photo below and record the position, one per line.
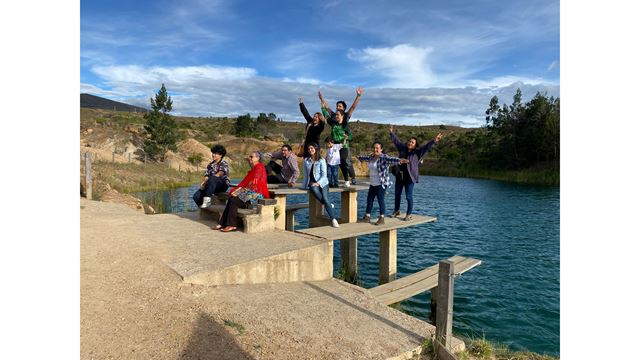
(332, 174)
(322, 194)
(214, 185)
(375, 191)
(408, 186)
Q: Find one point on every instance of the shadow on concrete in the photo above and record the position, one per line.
(375, 316)
(211, 340)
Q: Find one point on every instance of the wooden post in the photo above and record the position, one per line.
(349, 246)
(444, 314)
(388, 255)
(87, 175)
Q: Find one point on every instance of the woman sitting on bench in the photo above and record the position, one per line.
(316, 181)
(252, 188)
(216, 177)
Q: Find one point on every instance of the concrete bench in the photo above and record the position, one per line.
(414, 284)
(259, 219)
(290, 212)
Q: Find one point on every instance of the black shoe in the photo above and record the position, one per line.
(380, 221)
(365, 219)
(395, 214)
(353, 181)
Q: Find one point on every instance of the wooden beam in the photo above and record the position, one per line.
(444, 313)
(388, 256)
(88, 181)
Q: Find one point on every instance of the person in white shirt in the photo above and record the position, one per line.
(333, 161)
(379, 163)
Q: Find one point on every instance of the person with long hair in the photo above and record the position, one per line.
(216, 177)
(315, 127)
(252, 188)
(407, 174)
(316, 181)
(379, 163)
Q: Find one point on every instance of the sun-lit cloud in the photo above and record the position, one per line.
(404, 66)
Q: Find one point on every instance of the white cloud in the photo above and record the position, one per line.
(404, 66)
(220, 91)
(553, 65)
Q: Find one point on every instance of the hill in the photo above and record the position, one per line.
(97, 102)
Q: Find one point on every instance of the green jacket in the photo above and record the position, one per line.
(338, 130)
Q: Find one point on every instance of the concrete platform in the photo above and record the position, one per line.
(200, 255)
(127, 285)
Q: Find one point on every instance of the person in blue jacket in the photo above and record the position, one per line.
(316, 181)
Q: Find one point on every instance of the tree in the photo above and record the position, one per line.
(160, 127)
(245, 125)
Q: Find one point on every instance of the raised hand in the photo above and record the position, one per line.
(438, 137)
(359, 91)
(391, 128)
(301, 99)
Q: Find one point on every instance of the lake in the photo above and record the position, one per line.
(512, 298)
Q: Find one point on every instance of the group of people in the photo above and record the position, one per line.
(319, 174)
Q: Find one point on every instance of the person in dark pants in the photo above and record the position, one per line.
(379, 163)
(407, 174)
(339, 126)
(315, 127)
(288, 172)
(216, 177)
(250, 189)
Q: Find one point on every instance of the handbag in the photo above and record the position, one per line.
(248, 196)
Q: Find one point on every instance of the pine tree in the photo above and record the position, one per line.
(160, 127)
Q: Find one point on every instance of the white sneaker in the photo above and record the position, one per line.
(334, 223)
(206, 202)
(347, 184)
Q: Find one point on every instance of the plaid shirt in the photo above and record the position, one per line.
(213, 169)
(384, 161)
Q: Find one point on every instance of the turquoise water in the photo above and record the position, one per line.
(512, 298)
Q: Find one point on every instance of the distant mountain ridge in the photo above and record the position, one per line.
(97, 102)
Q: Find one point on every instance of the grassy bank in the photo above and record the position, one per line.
(546, 177)
(482, 349)
(127, 178)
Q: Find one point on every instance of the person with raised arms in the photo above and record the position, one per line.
(315, 127)
(407, 174)
(339, 122)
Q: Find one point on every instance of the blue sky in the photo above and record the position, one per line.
(420, 62)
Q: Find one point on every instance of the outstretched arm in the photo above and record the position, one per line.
(304, 110)
(399, 145)
(428, 146)
(359, 92)
(324, 104)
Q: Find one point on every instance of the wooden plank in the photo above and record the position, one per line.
(461, 263)
(357, 229)
(419, 282)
